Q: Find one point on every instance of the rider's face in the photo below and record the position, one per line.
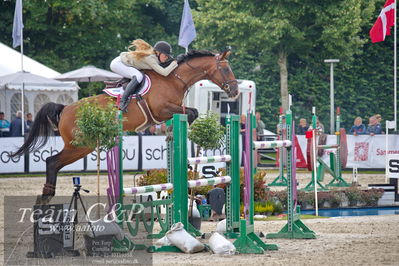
(161, 57)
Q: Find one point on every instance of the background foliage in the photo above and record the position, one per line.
(66, 35)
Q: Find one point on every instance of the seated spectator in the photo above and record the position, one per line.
(302, 127)
(374, 127)
(4, 126)
(358, 128)
(16, 125)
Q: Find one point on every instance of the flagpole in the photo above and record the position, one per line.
(395, 72)
(22, 70)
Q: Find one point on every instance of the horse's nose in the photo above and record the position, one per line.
(234, 91)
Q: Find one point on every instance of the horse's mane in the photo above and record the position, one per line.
(193, 54)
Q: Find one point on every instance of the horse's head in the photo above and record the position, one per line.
(222, 75)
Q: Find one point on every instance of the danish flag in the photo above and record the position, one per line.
(386, 19)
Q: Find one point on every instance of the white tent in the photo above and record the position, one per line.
(11, 62)
(37, 92)
(39, 87)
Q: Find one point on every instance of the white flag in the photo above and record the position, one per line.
(18, 25)
(390, 124)
(187, 29)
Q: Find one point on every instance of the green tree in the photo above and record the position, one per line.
(208, 134)
(97, 127)
(275, 29)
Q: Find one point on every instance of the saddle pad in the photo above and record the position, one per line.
(115, 92)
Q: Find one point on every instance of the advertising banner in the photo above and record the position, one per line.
(154, 152)
(37, 159)
(130, 155)
(364, 151)
(8, 164)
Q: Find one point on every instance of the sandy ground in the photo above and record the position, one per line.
(366, 240)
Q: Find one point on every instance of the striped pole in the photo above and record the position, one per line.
(272, 144)
(210, 159)
(146, 189)
(191, 183)
(209, 181)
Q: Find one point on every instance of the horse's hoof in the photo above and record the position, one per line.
(43, 199)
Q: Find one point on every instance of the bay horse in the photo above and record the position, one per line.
(164, 99)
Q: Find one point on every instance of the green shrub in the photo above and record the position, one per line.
(263, 207)
(278, 208)
(281, 197)
(152, 177)
(354, 195)
(336, 198)
(370, 197)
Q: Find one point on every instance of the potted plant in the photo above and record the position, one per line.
(354, 195)
(208, 134)
(370, 197)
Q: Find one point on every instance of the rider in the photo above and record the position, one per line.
(144, 56)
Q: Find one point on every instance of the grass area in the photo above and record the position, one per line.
(284, 217)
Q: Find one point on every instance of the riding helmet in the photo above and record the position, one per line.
(163, 47)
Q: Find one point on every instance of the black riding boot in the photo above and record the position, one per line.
(130, 90)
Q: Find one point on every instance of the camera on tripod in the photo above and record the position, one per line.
(76, 181)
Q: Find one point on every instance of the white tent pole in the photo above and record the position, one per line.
(386, 150)
(22, 50)
(23, 109)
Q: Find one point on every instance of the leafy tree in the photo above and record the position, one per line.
(97, 127)
(208, 134)
(275, 29)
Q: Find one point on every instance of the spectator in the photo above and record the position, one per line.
(260, 126)
(150, 131)
(28, 122)
(358, 128)
(160, 130)
(4, 126)
(374, 127)
(379, 118)
(242, 132)
(242, 123)
(319, 127)
(303, 126)
(16, 125)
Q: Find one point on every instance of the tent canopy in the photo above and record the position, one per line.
(34, 82)
(11, 62)
(88, 74)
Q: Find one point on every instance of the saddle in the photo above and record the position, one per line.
(116, 88)
(110, 84)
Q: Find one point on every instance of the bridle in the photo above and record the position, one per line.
(210, 75)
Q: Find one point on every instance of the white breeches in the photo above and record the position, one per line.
(120, 68)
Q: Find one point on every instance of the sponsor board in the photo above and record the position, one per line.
(8, 164)
(37, 159)
(130, 155)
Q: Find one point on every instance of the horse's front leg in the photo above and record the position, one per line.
(170, 109)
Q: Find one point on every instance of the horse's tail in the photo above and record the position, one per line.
(43, 126)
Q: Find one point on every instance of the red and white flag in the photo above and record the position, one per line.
(386, 19)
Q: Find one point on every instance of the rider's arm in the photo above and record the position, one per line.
(154, 63)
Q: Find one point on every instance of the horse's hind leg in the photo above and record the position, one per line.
(54, 164)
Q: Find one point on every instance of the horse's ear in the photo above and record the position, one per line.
(226, 53)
